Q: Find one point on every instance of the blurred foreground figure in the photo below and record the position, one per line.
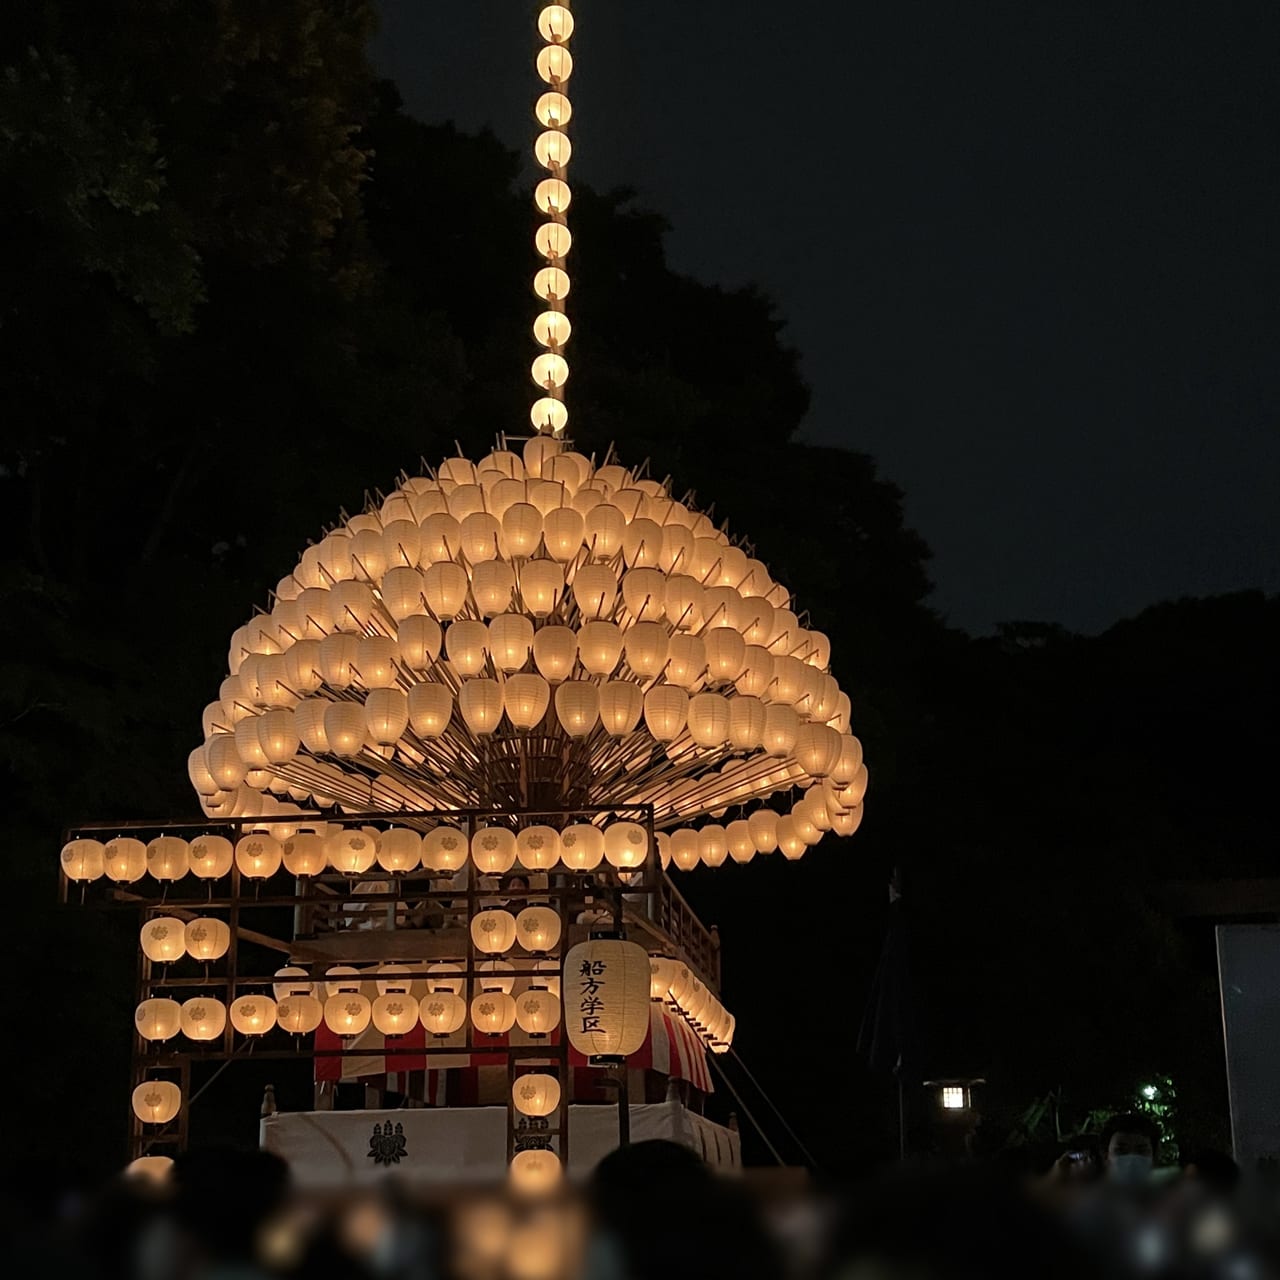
(711, 1227)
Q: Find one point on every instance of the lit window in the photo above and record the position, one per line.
(953, 1098)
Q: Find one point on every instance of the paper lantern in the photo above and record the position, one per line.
(541, 586)
(293, 981)
(665, 710)
(595, 588)
(552, 195)
(278, 736)
(124, 859)
(553, 110)
(686, 660)
(203, 1018)
(626, 844)
(304, 855)
(168, 858)
(510, 636)
(684, 848)
(482, 540)
(847, 822)
(496, 975)
(709, 719)
(538, 928)
(480, 702)
(156, 1101)
(790, 841)
(207, 938)
(493, 931)
(763, 824)
(555, 24)
(395, 1014)
(418, 641)
(742, 847)
(562, 527)
(444, 587)
(223, 761)
(300, 1014)
(577, 707)
(493, 849)
(386, 715)
(444, 848)
(537, 1013)
(351, 851)
(848, 762)
(551, 284)
(430, 708)
(399, 849)
(535, 1171)
(816, 749)
(713, 845)
(348, 1013)
(644, 592)
(253, 1015)
(535, 1094)
(493, 1013)
(493, 583)
(344, 728)
(526, 698)
(599, 647)
(465, 642)
(621, 706)
(158, 1019)
(780, 728)
(748, 718)
(442, 1013)
(646, 646)
(522, 528)
(538, 847)
(444, 976)
(211, 857)
(258, 855)
(607, 998)
(83, 860)
(582, 847)
(722, 610)
(555, 650)
(163, 939)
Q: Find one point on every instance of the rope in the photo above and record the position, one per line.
(737, 1097)
(795, 1137)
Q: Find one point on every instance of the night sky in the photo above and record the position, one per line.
(1026, 250)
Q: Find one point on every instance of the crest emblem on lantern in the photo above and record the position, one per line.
(387, 1144)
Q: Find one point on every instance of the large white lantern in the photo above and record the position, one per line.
(526, 698)
(466, 643)
(665, 710)
(578, 707)
(162, 939)
(207, 938)
(211, 857)
(763, 824)
(430, 709)
(299, 1014)
(203, 1018)
(158, 1019)
(790, 841)
(258, 855)
(538, 928)
(444, 848)
(253, 1015)
(742, 847)
(555, 650)
(621, 706)
(399, 849)
(817, 749)
(156, 1101)
(606, 998)
(480, 702)
(493, 932)
(395, 1014)
(684, 848)
(709, 719)
(83, 860)
(713, 846)
(626, 845)
(351, 850)
(535, 1094)
(168, 858)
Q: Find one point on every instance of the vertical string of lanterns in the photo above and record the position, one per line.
(552, 149)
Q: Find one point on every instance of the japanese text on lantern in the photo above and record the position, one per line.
(592, 1000)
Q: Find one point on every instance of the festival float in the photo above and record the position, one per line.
(453, 766)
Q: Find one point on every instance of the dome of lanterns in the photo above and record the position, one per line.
(534, 629)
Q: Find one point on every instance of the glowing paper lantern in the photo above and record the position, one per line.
(203, 1018)
(444, 848)
(537, 1012)
(211, 857)
(466, 643)
(399, 849)
(156, 1101)
(577, 707)
(480, 702)
(418, 640)
(538, 847)
(790, 841)
(555, 650)
(535, 1094)
(713, 845)
(304, 855)
(493, 1013)
(163, 939)
(258, 855)
(538, 928)
(300, 1014)
(526, 698)
(493, 931)
(444, 976)
(348, 1013)
(510, 637)
(665, 710)
(684, 848)
(83, 860)
(395, 1014)
(253, 1015)
(430, 709)
(386, 715)
(351, 851)
(168, 858)
(496, 975)
(442, 1012)
(493, 849)
(207, 938)
(742, 847)
(124, 859)
(763, 825)
(535, 1172)
(606, 998)
(817, 749)
(626, 844)
(599, 647)
(621, 706)
(709, 719)
(582, 847)
(158, 1019)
